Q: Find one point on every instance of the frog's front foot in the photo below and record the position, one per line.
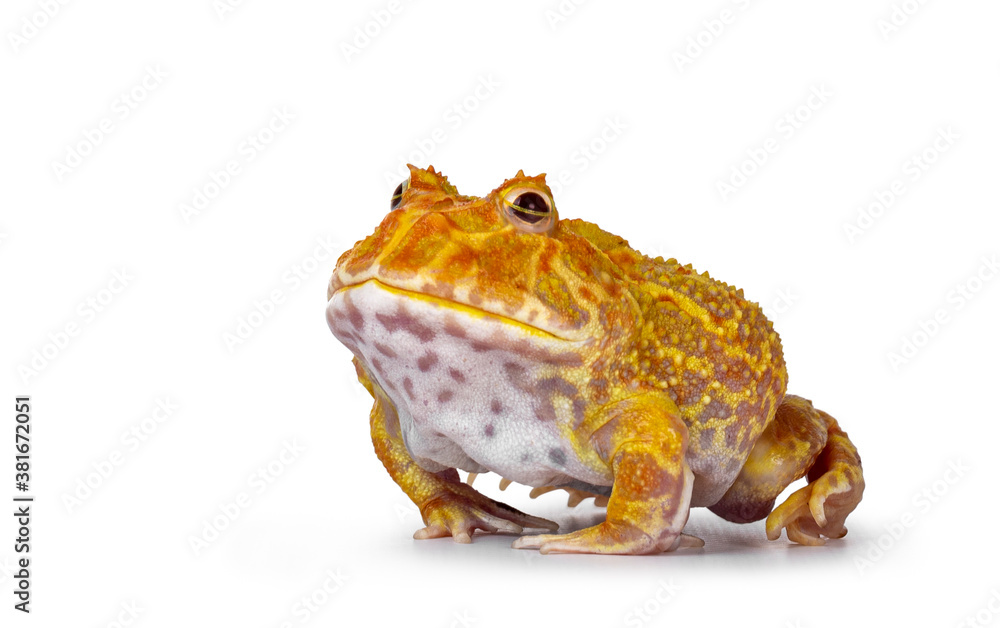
(644, 441)
(606, 538)
(459, 510)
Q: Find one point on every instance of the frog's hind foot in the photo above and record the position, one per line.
(800, 440)
(835, 487)
(575, 495)
(504, 482)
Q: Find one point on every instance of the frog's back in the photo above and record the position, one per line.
(714, 352)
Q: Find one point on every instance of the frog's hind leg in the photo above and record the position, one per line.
(800, 441)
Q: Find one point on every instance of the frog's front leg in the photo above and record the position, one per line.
(447, 505)
(643, 440)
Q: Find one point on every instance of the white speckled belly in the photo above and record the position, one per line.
(472, 391)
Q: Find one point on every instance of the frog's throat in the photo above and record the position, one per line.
(472, 390)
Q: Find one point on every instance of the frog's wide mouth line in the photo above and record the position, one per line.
(455, 306)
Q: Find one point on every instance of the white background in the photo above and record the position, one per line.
(842, 304)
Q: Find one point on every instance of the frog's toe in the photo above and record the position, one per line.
(461, 514)
(461, 531)
(437, 531)
(686, 540)
(815, 511)
(605, 538)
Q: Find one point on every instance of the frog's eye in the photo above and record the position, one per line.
(397, 194)
(529, 209)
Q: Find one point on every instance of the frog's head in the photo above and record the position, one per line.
(505, 256)
(460, 306)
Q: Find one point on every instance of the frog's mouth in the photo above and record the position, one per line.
(410, 302)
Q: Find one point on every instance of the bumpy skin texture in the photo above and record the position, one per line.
(556, 355)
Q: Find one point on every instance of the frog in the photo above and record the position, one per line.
(495, 336)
